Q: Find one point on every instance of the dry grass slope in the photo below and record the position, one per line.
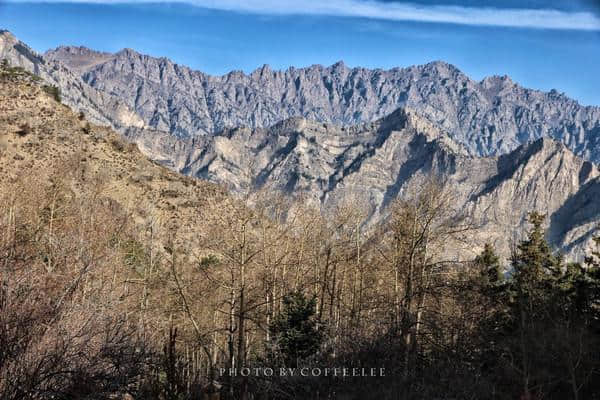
(42, 139)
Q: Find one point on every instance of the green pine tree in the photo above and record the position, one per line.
(294, 331)
(488, 264)
(592, 286)
(534, 261)
(536, 270)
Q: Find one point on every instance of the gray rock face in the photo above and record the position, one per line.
(490, 117)
(373, 164)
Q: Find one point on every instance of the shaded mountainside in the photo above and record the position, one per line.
(489, 117)
(373, 164)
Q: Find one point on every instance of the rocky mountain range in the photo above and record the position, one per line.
(335, 134)
(489, 117)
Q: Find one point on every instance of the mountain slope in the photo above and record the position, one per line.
(490, 117)
(44, 140)
(373, 164)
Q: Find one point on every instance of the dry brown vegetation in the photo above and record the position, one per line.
(121, 277)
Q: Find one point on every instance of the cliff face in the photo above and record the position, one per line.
(373, 164)
(490, 117)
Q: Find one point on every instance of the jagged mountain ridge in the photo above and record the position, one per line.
(374, 163)
(490, 117)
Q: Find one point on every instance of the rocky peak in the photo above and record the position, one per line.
(497, 83)
(7, 36)
(129, 53)
(263, 72)
(18, 54)
(78, 58)
(339, 67)
(441, 69)
(74, 50)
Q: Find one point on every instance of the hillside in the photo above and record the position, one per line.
(87, 225)
(43, 140)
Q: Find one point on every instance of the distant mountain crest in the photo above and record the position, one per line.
(489, 117)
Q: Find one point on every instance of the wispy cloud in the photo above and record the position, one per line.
(503, 17)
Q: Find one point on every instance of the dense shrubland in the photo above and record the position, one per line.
(94, 305)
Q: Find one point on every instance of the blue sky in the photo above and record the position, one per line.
(540, 44)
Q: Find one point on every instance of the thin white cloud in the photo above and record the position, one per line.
(503, 17)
